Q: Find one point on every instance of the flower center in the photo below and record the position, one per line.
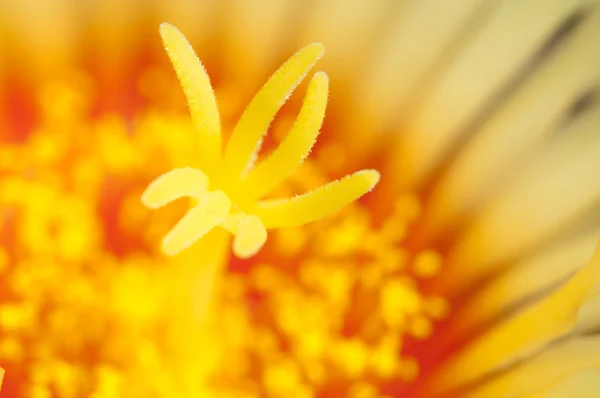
(328, 307)
(332, 308)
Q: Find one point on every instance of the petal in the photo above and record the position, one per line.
(583, 384)
(525, 280)
(489, 62)
(318, 203)
(589, 316)
(401, 63)
(211, 211)
(199, 93)
(261, 29)
(336, 23)
(174, 185)
(525, 333)
(539, 372)
(284, 160)
(483, 167)
(247, 135)
(555, 192)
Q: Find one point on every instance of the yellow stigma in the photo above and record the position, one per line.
(229, 190)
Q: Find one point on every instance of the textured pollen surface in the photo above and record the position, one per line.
(138, 313)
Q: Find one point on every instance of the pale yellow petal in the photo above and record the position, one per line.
(319, 203)
(186, 14)
(512, 34)
(526, 279)
(547, 369)
(516, 130)
(400, 63)
(254, 122)
(295, 147)
(589, 316)
(583, 384)
(336, 23)
(261, 28)
(199, 94)
(524, 333)
(559, 188)
(211, 210)
(174, 185)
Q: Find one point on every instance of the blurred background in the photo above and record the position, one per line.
(450, 100)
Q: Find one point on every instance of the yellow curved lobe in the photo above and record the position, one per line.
(318, 203)
(199, 93)
(247, 134)
(295, 147)
(174, 185)
(250, 237)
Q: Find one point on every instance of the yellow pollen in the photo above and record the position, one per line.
(229, 189)
(408, 207)
(282, 379)
(3, 260)
(398, 300)
(420, 327)
(384, 359)
(11, 350)
(427, 264)
(409, 369)
(363, 390)
(290, 241)
(437, 307)
(352, 357)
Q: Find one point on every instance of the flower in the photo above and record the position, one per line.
(468, 272)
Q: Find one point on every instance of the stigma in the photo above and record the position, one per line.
(229, 190)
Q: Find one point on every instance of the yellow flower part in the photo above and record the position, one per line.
(229, 188)
(469, 273)
(525, 333)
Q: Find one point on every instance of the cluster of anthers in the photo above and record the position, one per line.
(229, 189)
